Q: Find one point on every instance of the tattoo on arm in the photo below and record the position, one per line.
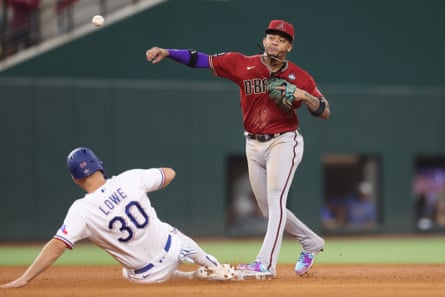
(313, 102)
(317, 106)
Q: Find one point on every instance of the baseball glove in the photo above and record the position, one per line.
(282, 98)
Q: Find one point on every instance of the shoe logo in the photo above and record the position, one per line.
(146, 275)
(250, 67)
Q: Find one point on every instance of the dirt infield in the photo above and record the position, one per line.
(323, 280)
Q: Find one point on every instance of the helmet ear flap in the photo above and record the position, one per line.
(82, 162)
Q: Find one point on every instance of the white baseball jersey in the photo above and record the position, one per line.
(119, 218)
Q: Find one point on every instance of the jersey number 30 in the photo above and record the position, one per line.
(137, 217)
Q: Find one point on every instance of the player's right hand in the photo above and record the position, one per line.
(156, 54)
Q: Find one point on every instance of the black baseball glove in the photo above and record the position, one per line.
(282, 98)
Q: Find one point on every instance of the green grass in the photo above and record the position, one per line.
(409, 250)
(412, 250)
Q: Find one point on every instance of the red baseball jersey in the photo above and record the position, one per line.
(260, 114)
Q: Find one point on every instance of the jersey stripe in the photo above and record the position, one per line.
(163, 178)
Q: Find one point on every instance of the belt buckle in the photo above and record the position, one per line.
(262, 137)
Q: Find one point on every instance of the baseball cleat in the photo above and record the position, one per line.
(222, 272)
(255, 270)
(304, 263)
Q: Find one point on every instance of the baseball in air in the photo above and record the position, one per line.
(98, 20)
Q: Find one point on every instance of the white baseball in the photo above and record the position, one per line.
(98, 20)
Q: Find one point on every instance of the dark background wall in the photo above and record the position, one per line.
(379, 62)
(345, 41)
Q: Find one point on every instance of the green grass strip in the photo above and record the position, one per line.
(415, 250)
(409, 250)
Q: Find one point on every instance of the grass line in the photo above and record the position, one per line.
(411, 250)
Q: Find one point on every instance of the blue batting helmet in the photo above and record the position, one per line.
(82, 162)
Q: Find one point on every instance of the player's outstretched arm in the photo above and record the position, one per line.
(48, 255)
(189, 57)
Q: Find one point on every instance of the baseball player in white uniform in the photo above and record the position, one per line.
(117, 216)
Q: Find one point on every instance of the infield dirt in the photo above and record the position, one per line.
(322, 280)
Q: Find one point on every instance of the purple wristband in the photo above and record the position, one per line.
(184, 56)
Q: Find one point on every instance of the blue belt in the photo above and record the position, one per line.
(151, 265)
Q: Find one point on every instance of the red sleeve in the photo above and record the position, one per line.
(303, 80)
(225, 65)
(312, 88)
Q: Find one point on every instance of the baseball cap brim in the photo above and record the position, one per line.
(281, 33)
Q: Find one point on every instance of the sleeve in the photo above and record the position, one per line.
(305, 81)
(152, 179)
(311, 87)
(316, 92)
(74, 227)
(225, 64)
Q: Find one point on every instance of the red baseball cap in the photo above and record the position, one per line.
(281, 27)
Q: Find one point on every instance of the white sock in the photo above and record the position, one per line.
(185, 274)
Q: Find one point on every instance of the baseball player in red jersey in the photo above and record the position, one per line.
(274, 143)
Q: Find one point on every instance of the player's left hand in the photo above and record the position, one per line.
(14, 284)
(282, 93)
